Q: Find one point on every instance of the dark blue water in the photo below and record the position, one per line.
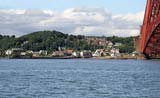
(79, 79)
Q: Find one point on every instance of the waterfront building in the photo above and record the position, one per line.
(114, 52)
(76, 54)
(43, 52)
(86, 54)
(68, 52)
(99, 53)
(35, 54)
(13, 50)
(23, 53)
(58, 54)
(8, 52)
(135, 53)
(29, 52)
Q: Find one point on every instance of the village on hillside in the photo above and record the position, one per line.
(109, 50)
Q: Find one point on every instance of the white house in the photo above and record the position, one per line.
(86, 54)
(11, 51)
(99, 53)
(23, 53)
(110, 44)
(8, 52)
(43, 52)
(114, 52)
(29, 51)
(76, 54)
(135, 53)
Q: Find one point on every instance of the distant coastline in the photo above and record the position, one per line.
(100, 58)
(57, 45)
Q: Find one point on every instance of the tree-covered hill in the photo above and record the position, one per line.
(51, 40)
(46, 40)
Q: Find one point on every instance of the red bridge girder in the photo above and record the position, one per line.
(150, 30)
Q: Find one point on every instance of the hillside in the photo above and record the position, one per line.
(51, 40)
(46, 40)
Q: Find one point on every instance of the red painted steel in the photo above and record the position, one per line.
(150, 30)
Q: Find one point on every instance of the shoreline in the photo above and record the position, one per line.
(99, 58)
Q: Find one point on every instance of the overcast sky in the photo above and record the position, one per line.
(85, 17)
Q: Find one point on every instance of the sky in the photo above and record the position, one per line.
(79, 17)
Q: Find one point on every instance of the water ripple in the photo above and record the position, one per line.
(79, 79)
